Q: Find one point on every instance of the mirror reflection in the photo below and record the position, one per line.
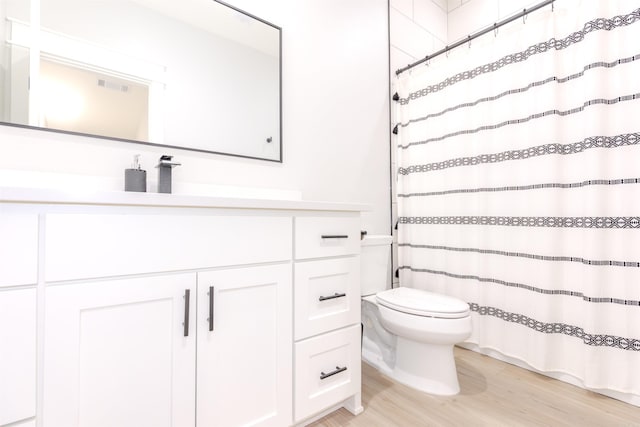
(193, 74)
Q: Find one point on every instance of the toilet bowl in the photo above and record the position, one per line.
(409, 334)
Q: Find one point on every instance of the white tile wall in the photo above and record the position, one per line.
(417, 29)
(437, 45)
(408, 36)
(471, 17)
(399, 59)
(403, 6)
(452, 4)
(510, 7)
(468, 16)
(431, 17)
(442, 4)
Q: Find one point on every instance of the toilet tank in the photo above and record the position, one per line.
(375, 264)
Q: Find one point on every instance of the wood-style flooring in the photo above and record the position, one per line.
(493, 393)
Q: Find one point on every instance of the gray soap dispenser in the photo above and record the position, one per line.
(135, 179)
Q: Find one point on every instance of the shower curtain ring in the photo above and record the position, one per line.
(524, 16)
(495, 30)
(469, 37)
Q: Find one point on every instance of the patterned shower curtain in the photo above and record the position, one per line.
(518, 188)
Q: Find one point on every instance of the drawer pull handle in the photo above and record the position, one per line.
(210, 319)
(334, 296)
(332, 373)
(334, 236)
(185, 324)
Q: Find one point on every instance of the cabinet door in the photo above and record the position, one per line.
(118, 354)
(17, 355)
(244, 369)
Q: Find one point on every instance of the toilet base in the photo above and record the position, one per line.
(426, 367)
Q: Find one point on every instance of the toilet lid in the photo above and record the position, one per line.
(423, 303)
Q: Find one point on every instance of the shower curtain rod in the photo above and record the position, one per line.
(476, 35)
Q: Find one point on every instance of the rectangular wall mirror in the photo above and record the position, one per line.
(190, 74)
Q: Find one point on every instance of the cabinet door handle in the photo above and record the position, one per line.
(332, 373)
(334, 296)
(210, 319)
(334, 236)
(187, 294)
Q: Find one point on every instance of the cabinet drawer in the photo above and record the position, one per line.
(82, 246)
(318, 237)
(327, 295)
(18, 249)
(327, 370)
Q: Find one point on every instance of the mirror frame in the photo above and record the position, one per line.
(199, 150)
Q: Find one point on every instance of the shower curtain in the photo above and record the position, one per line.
(518, 188)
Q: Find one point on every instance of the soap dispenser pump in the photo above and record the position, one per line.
(135, 179)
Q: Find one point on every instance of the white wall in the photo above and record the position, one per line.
(335, 117)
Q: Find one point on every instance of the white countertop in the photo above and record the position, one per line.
(122, 198)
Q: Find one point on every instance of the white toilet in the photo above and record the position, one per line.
(409, 334)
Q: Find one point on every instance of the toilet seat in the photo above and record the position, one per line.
(423, 303)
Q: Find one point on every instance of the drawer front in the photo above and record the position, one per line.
(327, 295)
(318, 237)
(80, 246)
(18, 249)
(327, 371)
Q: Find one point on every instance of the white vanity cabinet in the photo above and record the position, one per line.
(162, 310)
(244, 347)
